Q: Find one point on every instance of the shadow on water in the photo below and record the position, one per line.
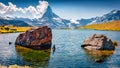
(98, 56)
(34, 58)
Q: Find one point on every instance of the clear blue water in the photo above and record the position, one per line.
(68, 53)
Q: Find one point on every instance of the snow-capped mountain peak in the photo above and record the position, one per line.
(111, 16)
(115, 11)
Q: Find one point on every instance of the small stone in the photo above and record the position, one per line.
(98, 60)
(10, 43)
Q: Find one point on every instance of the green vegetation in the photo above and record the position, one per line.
(12, 29)
(113, 26)
(34, 57)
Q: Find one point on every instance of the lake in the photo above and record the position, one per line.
(68, 53)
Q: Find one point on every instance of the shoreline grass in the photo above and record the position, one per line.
(108, 26)
(12, 29)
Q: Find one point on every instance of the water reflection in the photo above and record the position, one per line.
(68, 53)
(34, 58)
(98, 56)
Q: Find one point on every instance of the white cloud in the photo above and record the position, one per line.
(31, 12)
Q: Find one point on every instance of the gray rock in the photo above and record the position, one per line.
(98, 42)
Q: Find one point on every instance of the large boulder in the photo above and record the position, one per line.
(36, 38)
(98, 42)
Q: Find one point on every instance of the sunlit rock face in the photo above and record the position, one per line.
(98, 42)
(36, 38)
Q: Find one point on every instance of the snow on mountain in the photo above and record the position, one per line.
(58, 20)
(50, 19)
(111, 16)
(74, 21)
(40, 15)
(114, 11)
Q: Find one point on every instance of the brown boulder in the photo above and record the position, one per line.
(98, 42)
(36, 38)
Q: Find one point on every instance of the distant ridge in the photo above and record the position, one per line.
(111, 16)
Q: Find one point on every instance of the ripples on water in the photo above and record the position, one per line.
(8, 53)
(68, 52)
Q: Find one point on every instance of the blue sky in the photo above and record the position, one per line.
(73, 9)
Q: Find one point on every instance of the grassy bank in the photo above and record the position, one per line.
(12, 29)
(112, 26)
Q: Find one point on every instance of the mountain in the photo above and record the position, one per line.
(49, 18)
(84, 22)
(13, 22)
(111, 16)
(40, 15)
(52, 20)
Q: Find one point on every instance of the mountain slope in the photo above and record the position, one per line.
(51, 19)
(111, 16)
(84, 22)
(13, 22)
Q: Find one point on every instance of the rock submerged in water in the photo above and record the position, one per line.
(98, 42)
(36, 38)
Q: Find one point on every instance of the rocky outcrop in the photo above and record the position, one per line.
(98, 42)
(36, 38)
